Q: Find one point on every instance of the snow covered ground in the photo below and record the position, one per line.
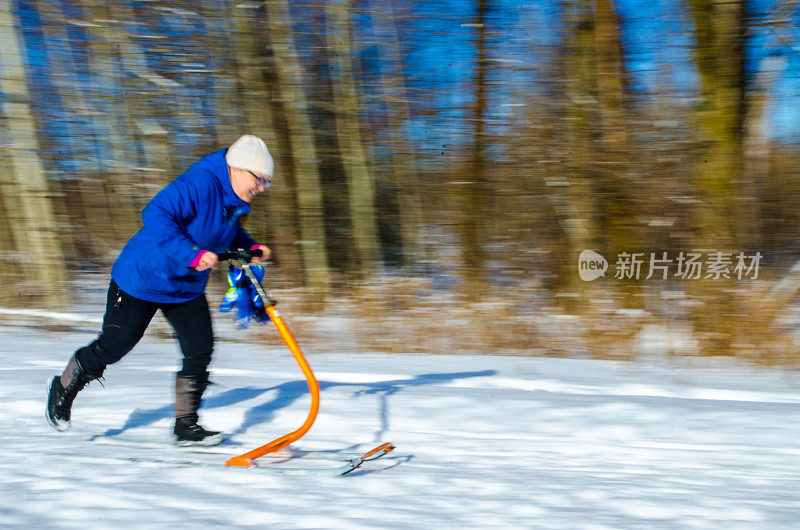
(482, 442)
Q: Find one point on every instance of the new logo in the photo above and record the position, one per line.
(591, 265)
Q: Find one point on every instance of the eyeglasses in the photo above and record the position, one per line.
(263, 182)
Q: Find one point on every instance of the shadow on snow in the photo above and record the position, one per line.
(289, 392)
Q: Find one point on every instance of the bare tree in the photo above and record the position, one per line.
(308, 188)
(571, 190)
(118, 119)
(151, 123)
(719, 53)
(251, 65)
(361, 184)
(404, 167)
(25, 190)
(474, 186)
(89, 196)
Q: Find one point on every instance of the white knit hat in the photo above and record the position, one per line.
(250, 152)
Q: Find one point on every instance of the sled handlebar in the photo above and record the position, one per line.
(243, 257)
(239, 254)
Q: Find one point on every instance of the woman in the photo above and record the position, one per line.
(166, 266)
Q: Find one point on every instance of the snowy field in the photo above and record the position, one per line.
(482, 442)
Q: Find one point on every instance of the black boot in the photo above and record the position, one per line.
(188, 391)
(63, 390)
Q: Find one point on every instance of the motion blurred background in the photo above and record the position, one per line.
(440, 165)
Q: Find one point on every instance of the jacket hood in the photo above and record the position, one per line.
(215, 163)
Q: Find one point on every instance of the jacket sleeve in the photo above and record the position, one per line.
(242, 240)
(167, 215)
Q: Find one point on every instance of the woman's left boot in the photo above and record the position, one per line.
(188, 392)
(62, 392)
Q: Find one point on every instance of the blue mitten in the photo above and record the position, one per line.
(242, 294)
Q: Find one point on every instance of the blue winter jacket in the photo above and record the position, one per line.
(197, 211)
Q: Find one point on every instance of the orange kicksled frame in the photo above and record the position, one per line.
(313, 386)
(246, 459)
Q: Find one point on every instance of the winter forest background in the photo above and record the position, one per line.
(440, 165)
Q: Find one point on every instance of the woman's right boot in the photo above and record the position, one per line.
(188, 393)
(63, 390)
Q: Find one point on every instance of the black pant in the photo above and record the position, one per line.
(127, 318)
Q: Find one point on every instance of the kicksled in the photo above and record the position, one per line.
(254, 459)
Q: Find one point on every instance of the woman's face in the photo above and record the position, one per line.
(247, 184)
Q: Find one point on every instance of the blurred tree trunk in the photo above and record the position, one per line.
(592, 198)
(719, 53)
(258, 106)
(572, 186)
(398, 111)
(25, 190)
(108, 63)
(10, 274)
(155, 140)
(104, 60)
(756, 150)
(346, 106)
(223, 83)
(474, 189)
(71, 192)
(308, 188)
(613, 158)
(92, 199)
